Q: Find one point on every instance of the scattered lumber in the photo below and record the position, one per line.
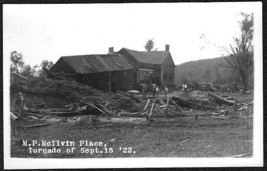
(107, 110)
(131, 96)
(13, 116)
(137, 114)
(147, 104)
(187, 103)
(92, 105)
(37, 125)
(221, 100)
(167, 107)
(151, 111)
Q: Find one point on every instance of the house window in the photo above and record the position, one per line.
(144, 75)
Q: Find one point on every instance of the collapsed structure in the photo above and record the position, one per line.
(122, 70)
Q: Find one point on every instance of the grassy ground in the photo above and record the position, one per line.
(162, 137)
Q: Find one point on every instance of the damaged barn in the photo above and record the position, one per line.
(104, 72)
(123, 70)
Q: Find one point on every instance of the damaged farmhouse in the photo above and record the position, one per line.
(132, 100)
(122, 70)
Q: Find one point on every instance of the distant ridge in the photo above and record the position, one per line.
(205, 70)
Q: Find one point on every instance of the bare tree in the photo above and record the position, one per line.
(149, 45)
(242, 52)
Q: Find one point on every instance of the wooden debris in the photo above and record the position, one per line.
(107, 110)
(131, 96)
(221, 100)
(188, 111)
(92, 105)
(187, 103)
(142, 122)
(151, 111)
(167, 107)
(33, 117)
(37, 125)
(216, 117)
(147, 104)
(13, 116)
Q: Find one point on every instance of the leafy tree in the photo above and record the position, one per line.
(27, 71)
(17, 62)
(46, 64)
(242, 52)
(18, 66)
(149, 45)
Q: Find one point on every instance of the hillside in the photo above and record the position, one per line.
(206, 70)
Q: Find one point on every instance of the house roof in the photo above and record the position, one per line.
(84, 64)
(151, 57)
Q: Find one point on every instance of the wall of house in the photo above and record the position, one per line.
(167, 72)
(120, 80)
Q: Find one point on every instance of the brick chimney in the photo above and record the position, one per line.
(111, 50)
(167, 48)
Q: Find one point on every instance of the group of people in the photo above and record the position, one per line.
(184, 87)
(155, 90)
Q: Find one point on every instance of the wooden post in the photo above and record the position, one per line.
(147, 104)
(167, 107)
(109, 83)
(151, 111)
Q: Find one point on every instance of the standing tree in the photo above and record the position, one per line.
(17, 62)
(46, 64)
(242, 52)
(27, 71)
(149, 45)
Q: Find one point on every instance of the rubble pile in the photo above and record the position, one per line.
(85, 106)
(62, 88)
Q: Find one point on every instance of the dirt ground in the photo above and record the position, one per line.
(173, 136)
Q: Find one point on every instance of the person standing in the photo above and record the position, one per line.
(157, 91)
(185, 87)
(154, 90)
(144, 89)
(166, 91)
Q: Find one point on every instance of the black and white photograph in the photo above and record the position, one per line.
(133, 85)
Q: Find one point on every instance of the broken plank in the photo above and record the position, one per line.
(13, 116)
(147, 104)
(221, 100)
(167, 107)
(37, 125)
(130, 95)
(151, 111)
(107, 110)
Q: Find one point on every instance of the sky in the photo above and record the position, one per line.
(194, 31)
